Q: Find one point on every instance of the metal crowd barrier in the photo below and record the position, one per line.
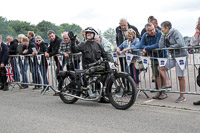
(29, 70)
(39, 72)
(145, 81)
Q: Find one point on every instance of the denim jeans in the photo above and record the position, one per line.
(35, 73)
(23, 69)
(15, 69)
(134, 72)
(43, 70)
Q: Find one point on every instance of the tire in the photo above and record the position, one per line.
(125, 89)
(64, 84)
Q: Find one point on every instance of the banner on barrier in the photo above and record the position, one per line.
(48, 61)
(39, 59)
(22, 59)
(115, 56)
(162, 61)
(60, 59)
(181, 62)
(16, 59)
(129, 58)
(145, 61)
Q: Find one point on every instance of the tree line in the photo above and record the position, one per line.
(15, 27)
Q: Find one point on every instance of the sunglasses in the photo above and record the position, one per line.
(38, 40)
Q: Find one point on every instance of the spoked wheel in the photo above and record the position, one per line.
(122, 91)
(67, 85)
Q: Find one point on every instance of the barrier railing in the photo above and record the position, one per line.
(39, 71)
(188, 63)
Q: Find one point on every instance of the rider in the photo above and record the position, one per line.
(91, 50)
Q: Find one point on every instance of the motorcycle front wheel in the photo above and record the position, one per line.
(122, 91)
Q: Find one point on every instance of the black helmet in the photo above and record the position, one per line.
(91, 30)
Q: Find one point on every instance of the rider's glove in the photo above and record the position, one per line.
(71, 36)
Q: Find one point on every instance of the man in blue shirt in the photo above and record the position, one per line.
(149, 42)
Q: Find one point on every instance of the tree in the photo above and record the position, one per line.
(76, 29)
(44, 26)
(5, 29)
(15, 27)
(110, 35)
(21, 27)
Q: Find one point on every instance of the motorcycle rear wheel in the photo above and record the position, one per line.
(68, 85)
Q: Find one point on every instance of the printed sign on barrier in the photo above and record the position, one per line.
(60, 59)
(22, 59)
(129, 58)
(39, 59)
(181, 62)
(162, 61)
(48, 61)
(16, 59)
(145, 61)
(115, 56)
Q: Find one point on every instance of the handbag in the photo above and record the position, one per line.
(138, 64)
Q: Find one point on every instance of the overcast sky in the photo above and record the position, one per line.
(103, 14)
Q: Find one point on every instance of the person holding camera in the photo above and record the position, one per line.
(41, 48)
(28, 49)
(172, 38)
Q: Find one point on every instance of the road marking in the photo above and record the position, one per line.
(148, 101)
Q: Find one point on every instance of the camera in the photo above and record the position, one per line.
(167, 43)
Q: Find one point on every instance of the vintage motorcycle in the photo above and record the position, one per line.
(101, 78)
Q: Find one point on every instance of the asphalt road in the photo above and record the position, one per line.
(28, 111)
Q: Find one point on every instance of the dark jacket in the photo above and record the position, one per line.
(3, 53)
(144, 30)
(32, 41)
(41, 49)
(19, 48)
(13, 47)
(54, 46)
(119, 35)
(91, 51)
(29, 48)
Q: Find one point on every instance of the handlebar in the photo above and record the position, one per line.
(99, 62)
(95, 63)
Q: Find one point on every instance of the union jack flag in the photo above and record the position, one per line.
(9, 74)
